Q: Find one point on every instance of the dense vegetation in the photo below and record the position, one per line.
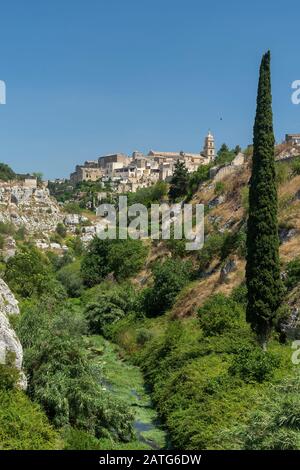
(178, 317)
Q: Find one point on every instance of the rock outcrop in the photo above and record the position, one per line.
(31, 207)
(9, 342)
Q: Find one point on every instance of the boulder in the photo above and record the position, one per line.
(72, 219)
(229, 267)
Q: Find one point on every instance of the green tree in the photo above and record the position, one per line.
(94, 265)
(169, 278)
(265, 288)
(127, 257)
(179, 182)
(6, 173)
(29, 273)
(224, 155)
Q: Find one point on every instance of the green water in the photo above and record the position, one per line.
(127, 383)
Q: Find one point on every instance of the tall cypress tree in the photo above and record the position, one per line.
(265, 288)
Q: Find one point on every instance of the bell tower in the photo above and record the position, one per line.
(209, 147)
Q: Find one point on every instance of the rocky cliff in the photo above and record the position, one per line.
(28, 206)
(9, 342)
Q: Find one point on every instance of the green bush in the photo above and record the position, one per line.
(126, 257)
(70, 277)
(76, 245)
(198, 177)
(254, 365)
(61, 230)
(2, 241)
(224, 155)
(9, 375)
(169, 278)
(29, 273)
(147, 196)
(76, 439)
(23, 426)
(219, 314)
(61, 376)
(282, 172)
(275, 425)
(72, 208)
(94, 266)
(295, 166)
(292, 273)
(6, 173)
(212, 249)
(220, 188)
(108, 304)
(7, 228)
(20, 234)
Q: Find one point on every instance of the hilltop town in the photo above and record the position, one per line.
(129, 173)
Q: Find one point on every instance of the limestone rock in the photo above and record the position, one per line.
(228, 267)
(8, 338)
(216, 201)
(72, 219)
(285, 234)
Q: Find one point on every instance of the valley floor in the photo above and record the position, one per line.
(127, 383)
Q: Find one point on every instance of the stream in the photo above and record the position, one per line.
(126, 382)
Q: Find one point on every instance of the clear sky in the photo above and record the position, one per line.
(85, 78)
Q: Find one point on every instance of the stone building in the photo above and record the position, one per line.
(141, 170)
(86, 173)
(110, 163)
(209, 147)
(293, 139)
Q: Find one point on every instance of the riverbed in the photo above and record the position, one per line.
(126, 382)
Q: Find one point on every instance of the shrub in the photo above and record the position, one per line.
(72, 208)
(253, 364)
(295, 166)
(28, 272)
(70, 277)
(239, 294)
(6, 173)
(94, 265)
(9, 375)
(148, 196)
(220, 188)
(224, 155)
(76, 439)
(107, 305)
(292, 273)
(2, 241)
(219, 314)
(212, 249)
(7, 228)
(23, 425)
(245, 198)
(282, 172)
(169, 278)
(21, 233)
(61, 230)
(143, 336)
(126, 257)
(76, 245)
(61, 376)
(198, 177)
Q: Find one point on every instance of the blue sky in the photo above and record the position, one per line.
(85, 78)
